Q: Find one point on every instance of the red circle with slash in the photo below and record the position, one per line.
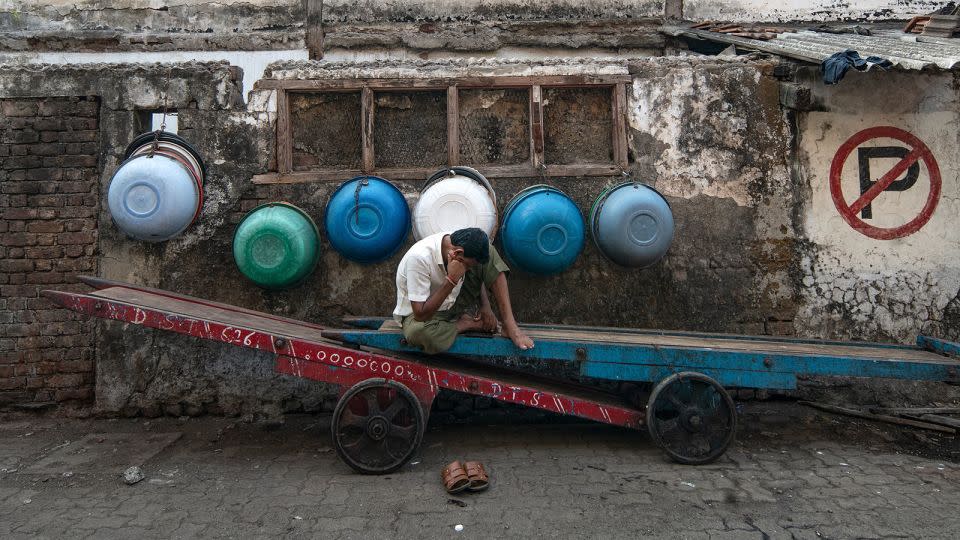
(918, 151)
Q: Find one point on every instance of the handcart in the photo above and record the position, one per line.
(387, 387)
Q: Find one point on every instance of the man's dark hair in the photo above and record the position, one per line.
(474, 242)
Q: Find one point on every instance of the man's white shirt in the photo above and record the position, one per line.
(420, 272)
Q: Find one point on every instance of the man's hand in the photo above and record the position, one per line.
(488, 320)
(456, 270)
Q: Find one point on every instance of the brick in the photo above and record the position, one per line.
(77, 212)
(20, 291)
(52, 201)
(45, 175)
(82, 124)
(74, 265)
(52, 125)
(22, 162)
(18, 239)
(63, 107)
(73, 199)
(45, 226)
(79, 136)
(73, 251)
(16, 279)
(28, 188)
(53, 315)
(80, 237)
(16, 265)
(74, 225)
(20, 137)
(75, 187)
(46, 239)
(19, 108)
(75, 366)
(65, 380)
(44, 252)
(13, 383)
(28, 370)
(19, 213)
(6, 372)
(45, 278)
(46, 149)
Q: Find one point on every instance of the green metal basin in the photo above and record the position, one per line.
(276, 245)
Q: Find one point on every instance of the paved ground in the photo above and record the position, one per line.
(792, 474)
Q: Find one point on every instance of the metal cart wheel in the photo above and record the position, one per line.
(691, 417)
(377, 426)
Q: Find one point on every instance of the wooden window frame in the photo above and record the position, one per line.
(534, 166)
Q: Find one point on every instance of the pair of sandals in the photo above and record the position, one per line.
(468, 476)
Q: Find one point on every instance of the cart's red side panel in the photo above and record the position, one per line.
(315, 358)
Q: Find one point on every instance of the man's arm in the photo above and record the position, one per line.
(422, 311)
(510, 327)
(486, 316)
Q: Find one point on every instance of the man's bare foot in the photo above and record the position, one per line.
(467, 323)
(517, 337)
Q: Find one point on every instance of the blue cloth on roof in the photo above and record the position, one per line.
(836, 66)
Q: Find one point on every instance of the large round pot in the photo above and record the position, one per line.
(367, 219)
(455, 198)
(632, 224)
(276, 245)
(154, 198)
(542, 231)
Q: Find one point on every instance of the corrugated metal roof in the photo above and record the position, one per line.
(907, 51)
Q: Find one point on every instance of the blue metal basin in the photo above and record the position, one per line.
(153, 198)
(632, 224)
(367, 219)
(542, 231)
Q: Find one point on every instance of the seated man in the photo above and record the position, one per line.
(442, 279)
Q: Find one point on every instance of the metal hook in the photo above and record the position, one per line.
(356, 197)
(163, 119)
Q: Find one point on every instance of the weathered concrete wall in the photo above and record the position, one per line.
(806, 10)
(861, 286)
(151, 24)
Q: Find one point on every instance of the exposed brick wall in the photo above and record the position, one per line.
(49, 151)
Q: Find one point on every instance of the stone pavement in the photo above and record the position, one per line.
(793, 473)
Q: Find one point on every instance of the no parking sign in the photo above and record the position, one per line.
(910, 151)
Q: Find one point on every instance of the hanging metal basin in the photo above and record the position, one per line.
(276, 245)
(154, 198)
(632, 224)
(146, 140)
(455, 198)
(542, 231)
(367, 219)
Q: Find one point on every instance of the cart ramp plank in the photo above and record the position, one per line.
(741, 362)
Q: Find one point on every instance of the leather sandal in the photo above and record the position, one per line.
(455, 478)
(479, 480)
